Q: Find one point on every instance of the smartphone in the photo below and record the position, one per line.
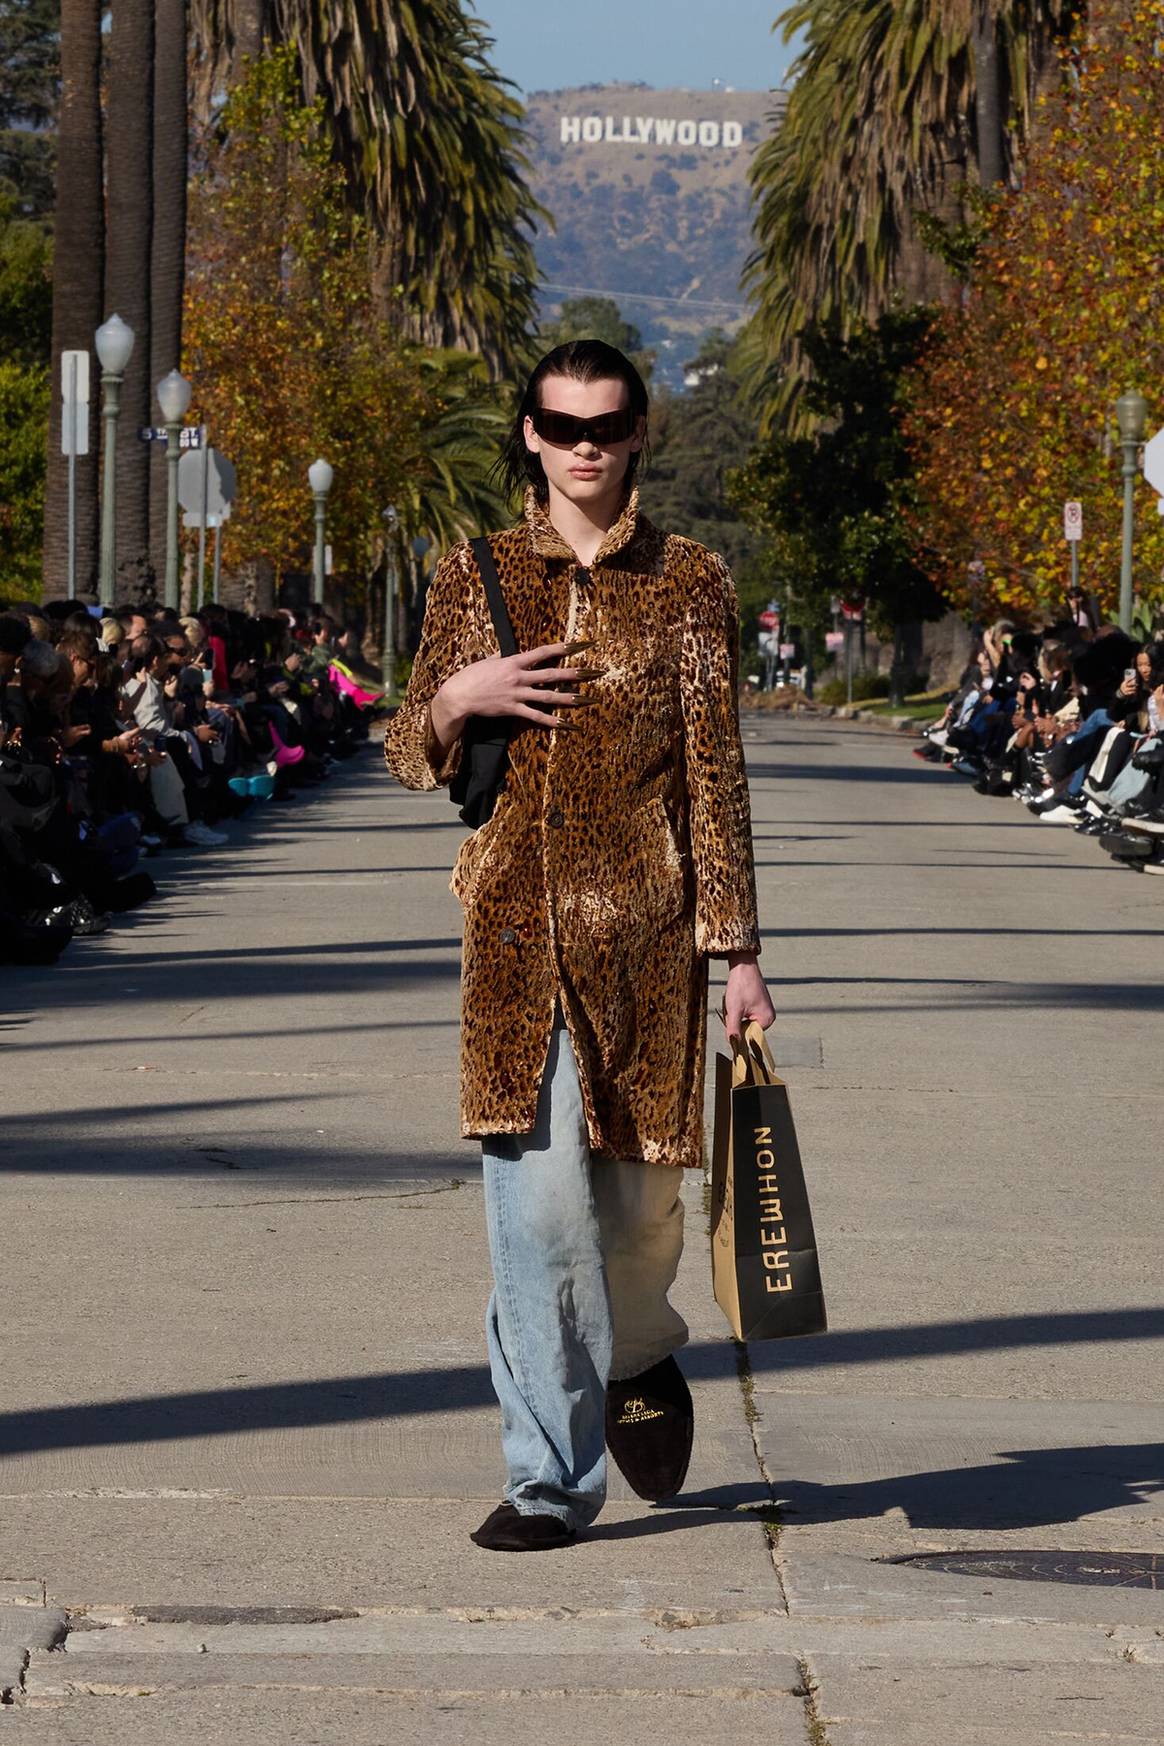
(1129, 673)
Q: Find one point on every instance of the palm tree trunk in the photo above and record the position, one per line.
(168, 254)
(252, 21)
(79, 258)
(988, 112)
(127, 262)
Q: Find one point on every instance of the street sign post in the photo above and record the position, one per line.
(74, 439)
(206, 486)
(1073, 533)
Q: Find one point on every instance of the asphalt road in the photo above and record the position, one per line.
(246, 1423)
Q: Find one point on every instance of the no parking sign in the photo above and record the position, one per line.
(1073, 521)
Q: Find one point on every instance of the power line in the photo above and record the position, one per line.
(648, 297)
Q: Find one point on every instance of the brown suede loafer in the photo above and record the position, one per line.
(650, 1426)
(507, 1530)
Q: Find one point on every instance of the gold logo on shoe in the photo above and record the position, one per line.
(637, 1412)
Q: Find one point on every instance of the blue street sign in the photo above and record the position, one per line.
(190, 437)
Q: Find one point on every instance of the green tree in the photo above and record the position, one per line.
(25, 339)
(24, 406)
(697, 438)
(26, 286)
(450, 492)
(882, 123)
(30, 57)
(430, 139)
(597, 318)
(836, 507)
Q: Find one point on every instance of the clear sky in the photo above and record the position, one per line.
(543, 45)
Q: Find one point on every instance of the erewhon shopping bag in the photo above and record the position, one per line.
(763, 1249)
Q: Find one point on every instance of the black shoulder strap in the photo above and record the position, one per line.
(493, 594)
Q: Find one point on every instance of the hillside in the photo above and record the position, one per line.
(649, 195)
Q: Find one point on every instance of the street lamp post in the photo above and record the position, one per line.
(1132, 418)
(319, 477)
(388, 661)
(114, 341)
(174, 399)
(421, 546)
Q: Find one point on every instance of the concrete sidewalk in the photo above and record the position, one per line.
(247, 1424)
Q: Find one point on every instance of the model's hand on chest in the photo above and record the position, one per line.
(531, 685)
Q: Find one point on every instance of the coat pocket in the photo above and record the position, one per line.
(658, 884)
(477, 851)
(651, 880)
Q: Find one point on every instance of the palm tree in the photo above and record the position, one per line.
(129, 138)
(885, 119)
(452, 491)
(79, 233)
(989, 93)
(168, 249)
(430, 137)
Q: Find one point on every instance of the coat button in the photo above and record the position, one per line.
(508, 936)
(556, 819)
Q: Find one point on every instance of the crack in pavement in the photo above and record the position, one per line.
(320, 1199)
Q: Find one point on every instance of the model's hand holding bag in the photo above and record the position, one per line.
(763, 1249)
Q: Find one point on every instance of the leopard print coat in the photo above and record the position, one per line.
(619, 857)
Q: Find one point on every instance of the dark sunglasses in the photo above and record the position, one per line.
(564, 429)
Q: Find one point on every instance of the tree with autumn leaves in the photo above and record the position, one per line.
(290, 359)
(1011, 409)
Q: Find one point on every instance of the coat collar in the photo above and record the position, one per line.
(547, 542)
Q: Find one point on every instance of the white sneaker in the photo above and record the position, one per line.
(1059, 815)
(203, 836)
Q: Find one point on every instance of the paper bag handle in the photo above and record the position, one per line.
(752, 1061)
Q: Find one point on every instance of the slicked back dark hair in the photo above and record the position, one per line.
(587, 360)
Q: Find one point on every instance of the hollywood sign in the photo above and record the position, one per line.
(649, 130)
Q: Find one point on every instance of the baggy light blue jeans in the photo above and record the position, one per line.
(584, 1252)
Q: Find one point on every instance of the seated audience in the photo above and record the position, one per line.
(1070, 723)
(127, 734)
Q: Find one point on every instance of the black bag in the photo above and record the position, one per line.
(28, 794)
(764, 1265)
(485, 742)
(1149, 755)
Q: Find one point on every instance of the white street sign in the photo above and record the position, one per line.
(1154, 463)
(75, 387)
(75, 396)
(221, 481)
(1073, 521)
(192, 518)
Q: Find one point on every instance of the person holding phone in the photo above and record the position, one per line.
(618, 861)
